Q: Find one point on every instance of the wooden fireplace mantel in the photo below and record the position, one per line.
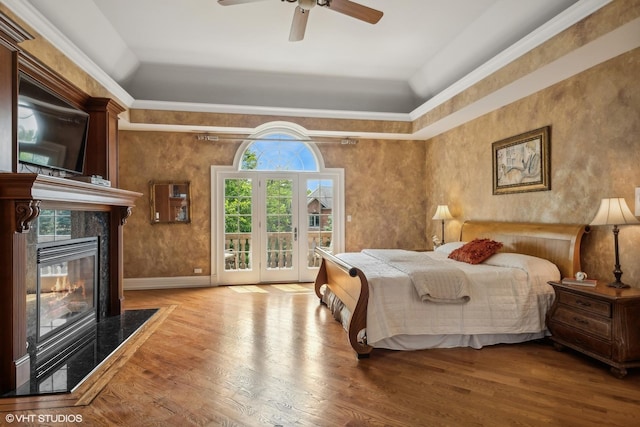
(22, 196)
(63, 193)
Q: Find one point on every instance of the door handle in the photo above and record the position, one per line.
(295, 234)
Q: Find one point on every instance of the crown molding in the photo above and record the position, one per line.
(569, 17)
(268, 111)
(40, 24)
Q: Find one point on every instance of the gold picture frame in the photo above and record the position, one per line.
(521, 162)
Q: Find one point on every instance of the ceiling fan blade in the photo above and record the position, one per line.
(234, 2)
(299, 24)
(356, 10)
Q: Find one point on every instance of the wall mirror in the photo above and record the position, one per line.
(170, 202)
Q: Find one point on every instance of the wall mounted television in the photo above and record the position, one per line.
(52, 133)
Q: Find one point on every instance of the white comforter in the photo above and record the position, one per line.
(434, 280)
(508, 294)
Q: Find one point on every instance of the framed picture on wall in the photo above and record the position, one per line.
(521, 162)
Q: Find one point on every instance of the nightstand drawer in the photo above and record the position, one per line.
(597, 326)
(572, 336)
(592, 305)
(599, 321)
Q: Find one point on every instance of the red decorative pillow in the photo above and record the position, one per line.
(476, 251)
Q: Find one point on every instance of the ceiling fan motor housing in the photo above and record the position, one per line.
(306, 4)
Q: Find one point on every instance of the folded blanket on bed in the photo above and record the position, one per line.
(434, 281)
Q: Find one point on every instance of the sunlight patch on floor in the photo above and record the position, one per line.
(265, 289)
(292, 288)
(248, 289)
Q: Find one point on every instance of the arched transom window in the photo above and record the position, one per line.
(279, 151)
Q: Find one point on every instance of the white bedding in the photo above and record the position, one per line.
(434, 280)
(508, 295)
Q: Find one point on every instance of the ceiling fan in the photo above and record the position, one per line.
(301, 15)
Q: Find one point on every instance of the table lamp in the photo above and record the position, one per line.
(615, 212)
(442, 213)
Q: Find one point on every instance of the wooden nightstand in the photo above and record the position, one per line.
(600, 321)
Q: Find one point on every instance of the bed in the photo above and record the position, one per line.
(375, 293)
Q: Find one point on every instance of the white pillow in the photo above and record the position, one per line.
(527, 263)
(447, 248)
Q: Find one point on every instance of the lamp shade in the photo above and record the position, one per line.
(614, 211)
(442, 213)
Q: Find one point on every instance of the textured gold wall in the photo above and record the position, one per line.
(165, 250)
(384, 190)
(595, 153)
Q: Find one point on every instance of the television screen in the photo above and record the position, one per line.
(52, 133)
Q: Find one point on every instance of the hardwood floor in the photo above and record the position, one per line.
(273, 356)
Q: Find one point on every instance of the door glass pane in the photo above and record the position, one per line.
(237, 223)
(319, 218)
(279, 223)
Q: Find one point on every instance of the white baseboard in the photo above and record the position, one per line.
(167, 282)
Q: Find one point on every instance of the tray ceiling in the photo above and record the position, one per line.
(196, 55)
(199, 51)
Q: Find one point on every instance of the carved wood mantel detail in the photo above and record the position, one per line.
(125, 213)
(26, 212)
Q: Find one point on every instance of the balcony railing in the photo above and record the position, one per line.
(279, 247)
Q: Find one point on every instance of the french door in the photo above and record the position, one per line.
(278, 223)
(269, 223)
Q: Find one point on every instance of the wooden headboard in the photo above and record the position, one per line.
(559, 243)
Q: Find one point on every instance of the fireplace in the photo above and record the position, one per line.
(63, 247)
(70, 330)
(94, 212)
(65, 301)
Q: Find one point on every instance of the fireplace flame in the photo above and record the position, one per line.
(67, 287)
